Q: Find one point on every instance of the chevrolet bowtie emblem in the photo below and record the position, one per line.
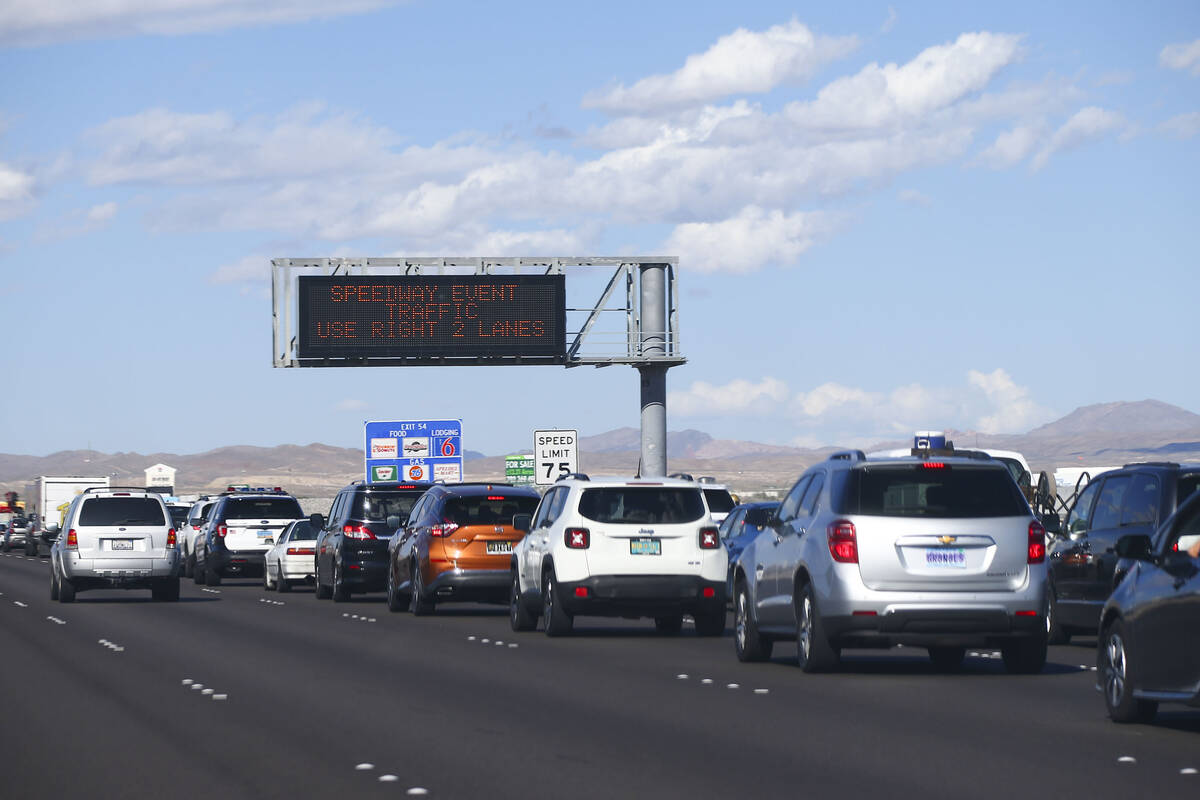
(947, 539)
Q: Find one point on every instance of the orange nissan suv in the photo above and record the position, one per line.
(457, 546)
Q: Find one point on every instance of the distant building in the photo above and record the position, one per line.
(161, 478)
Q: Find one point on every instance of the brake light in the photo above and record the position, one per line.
(1037, 543)
(709, 592)
(300, 551)
(446, 528)
(934, 464)
(709, 539)
(171, 538)
(357, 532)
(195, 527)
(843, 541)
(495, 497)
(581, 591)
(72, 540)
(1027, 613)
(577, 538)
(222, 530)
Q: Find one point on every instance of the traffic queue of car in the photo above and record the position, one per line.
(935, 549)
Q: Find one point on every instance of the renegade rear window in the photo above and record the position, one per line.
(263, 508)
(914, 490)
(642, 504)
(122, 511)
(480, 510)
(378, 506)
(719, 500)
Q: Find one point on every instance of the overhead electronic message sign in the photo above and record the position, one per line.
(433, 318)
(416, 450)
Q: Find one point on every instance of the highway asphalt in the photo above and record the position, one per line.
(110, 697)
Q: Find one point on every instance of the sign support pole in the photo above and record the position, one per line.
(653, 286)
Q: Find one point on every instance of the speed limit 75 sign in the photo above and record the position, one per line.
(555, 453)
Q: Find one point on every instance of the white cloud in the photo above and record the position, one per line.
(739, 396)
(1012, 146)
(1182, 126)
(1013, 410)
(35, 22)
(890, 22)
(748, 241)
(102, 213)
(16, 191)
(914, 198)
(1086, 125)
(740, 62)
(1183, 56)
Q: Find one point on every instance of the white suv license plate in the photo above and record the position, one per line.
(499, 548)
(121, 544)
(645, 547)
(945, 558)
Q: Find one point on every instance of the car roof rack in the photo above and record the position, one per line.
(91, 489)
(579, 476)
(848, 455)
(1167, 464)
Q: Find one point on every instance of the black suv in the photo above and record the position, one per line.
(239, 530)
(1083, 557)
(352, 544)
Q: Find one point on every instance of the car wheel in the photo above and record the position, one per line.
(339, 591)
(669, 625)
(394, 601)
(418, 604)
(53, 582)
(557, 621)
(813, 651)
(322, 591)
(66, 590)
(1025, 656)
(1055, 633)
(711, 623)
(519, 616)
(267, 579)
(282, 584)
(1117, 678)
(947, 659)
(747, 642)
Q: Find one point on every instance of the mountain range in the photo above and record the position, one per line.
(1104, 434)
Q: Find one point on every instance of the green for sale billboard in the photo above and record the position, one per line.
(518, 470)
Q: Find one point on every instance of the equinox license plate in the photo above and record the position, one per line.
(495, 548)
(946, 557)
(645, 547)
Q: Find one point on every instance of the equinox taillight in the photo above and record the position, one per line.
(72, 540)
(1037, 543)
(843, 541)
(577, 538)
(710, 539)
(357, 532)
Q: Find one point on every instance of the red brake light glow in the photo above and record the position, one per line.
(1026, 613)
(1037, 543)
(581, 591)
(577, 538)
(709, 592)
(171, 537)
(72, 540)
(357, 532)
(934, 464)
(709, 539)
(300, 551)
(843, 541)
(495, 497)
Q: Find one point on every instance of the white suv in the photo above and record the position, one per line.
(621, 547)
(115, 538)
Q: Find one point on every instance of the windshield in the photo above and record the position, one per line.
(914, 490)
(642, 504)
(122, 511)
(263, 508)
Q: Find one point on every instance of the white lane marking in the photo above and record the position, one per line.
(57, 621)
(207, 691)
(197, 686)
(388, 779)
(512, 645)
(761, 691)
(364, 766)
(22, 605)
(417, 790)
(220, 697)
(733, 686)
(1127, 760)
(1188, 771)
(470, 638)
(485, 641)
(499, 644)
(682, 676)
(187, 681)
(706, 681)
(211, 591)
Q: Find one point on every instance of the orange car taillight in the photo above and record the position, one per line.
(357, 532)
(301, 551)
(72, 540)
(709, 539)
(843, 541)
(171, 538)
(445, 529)
(577, 538)
(1037, 543)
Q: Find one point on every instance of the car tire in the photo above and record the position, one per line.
(394, 601)
(669, 625)
(418, 603)
(189, 566)
(748, 643)
(321, 591)
(282, 584)
(557, 622)
(711, 623)
(53, 582)
(66, 590)
(267, 587)
(947, 659)
(1025, 656)
(338, 589)
(520, 618)
(1118, 678)
(165, 591)
(1055, 632)
(30, 547)
(197, 571)
(813, 650)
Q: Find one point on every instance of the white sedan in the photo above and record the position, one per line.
(290, 561)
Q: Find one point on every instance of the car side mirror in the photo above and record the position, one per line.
(393, 521)
(522, 522)
(52, 527)
(316, 521)
(1136, 546)
(1052, 524)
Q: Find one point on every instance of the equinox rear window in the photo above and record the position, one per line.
(912, 490)
(642, 504)
(263, 508)
(122, 511)
(482, 511)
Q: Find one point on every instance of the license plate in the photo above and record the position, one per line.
(946, 558)
(263, 534)
(499, 548)
(645, 547)
(122, 544)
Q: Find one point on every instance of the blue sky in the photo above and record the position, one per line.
(888, 216)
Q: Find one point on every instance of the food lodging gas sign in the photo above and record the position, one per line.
(433, 319)
(414, 450)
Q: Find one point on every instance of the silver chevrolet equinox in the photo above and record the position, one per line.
(938, 549)
(115, 538)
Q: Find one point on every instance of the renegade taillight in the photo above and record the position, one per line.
(709, 539)
(357, 532)
(843, 541)
(444, 529)
(72, 540)
(171, 538)
(1037, 543)
(577, 538)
